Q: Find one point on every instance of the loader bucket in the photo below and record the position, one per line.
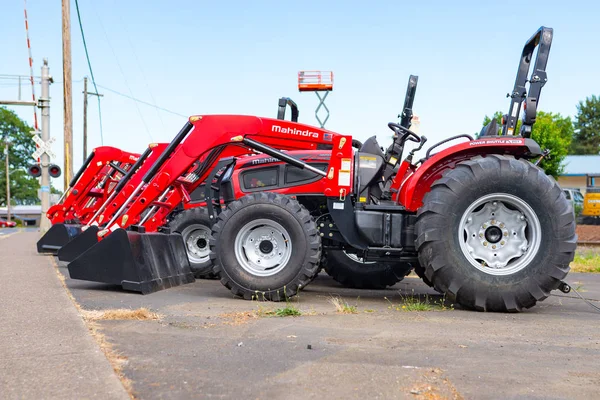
(139, 262)
(79, 244)
(57, 236)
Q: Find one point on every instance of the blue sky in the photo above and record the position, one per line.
(239, 57)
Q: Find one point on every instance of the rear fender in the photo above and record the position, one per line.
(419, 183)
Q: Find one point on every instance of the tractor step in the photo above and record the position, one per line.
(384, 207)
(139, 262)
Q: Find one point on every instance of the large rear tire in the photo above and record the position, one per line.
(194, 227)
(265, 246)
(496, 234)
(351, 271)
(420, 272)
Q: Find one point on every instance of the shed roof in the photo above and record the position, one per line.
(581, 165)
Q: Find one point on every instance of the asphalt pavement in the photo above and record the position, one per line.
(210, 345)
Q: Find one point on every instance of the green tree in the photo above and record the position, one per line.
(23, 188)
(550, 131)
(586, 139)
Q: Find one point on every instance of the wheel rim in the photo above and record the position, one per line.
(196, 239)
(499, 234)
(357, 259)
(263, 247)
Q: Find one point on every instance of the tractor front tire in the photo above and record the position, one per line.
(352, 272)
(265, 246)
(496, 234)
(194, 227)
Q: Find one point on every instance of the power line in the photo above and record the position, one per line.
(87, 56)
(124, 26)
(17, 77)
(123, 73)
(142, 101)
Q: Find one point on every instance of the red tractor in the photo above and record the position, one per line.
(478, 221)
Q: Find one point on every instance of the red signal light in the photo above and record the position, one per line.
(54, 170)
(35, 171)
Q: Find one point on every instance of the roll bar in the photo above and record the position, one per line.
(542, 39)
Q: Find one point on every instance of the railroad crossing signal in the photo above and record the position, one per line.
(43, 147)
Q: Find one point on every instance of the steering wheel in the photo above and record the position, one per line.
(407, 134)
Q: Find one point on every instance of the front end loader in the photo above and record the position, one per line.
(87, 235)
(114, 201)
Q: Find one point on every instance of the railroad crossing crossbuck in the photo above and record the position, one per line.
(43, 147)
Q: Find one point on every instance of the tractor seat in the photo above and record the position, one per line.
(490, 129)
(371, 146)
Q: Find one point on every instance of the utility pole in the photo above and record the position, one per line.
(85, 97)
(44, 104)
(85, 104)
(7, 181)
(68, 101)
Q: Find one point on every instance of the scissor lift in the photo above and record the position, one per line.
(317, 81)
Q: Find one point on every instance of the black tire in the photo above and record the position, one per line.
(420, 272)
(439, 243)
(300, 232)
(192, 222)
(359, 275)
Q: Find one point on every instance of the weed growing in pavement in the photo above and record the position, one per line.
(290, 310)
(414, 303)
(341, 306)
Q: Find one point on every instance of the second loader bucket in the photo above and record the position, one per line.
(79, 244)
(140, 262)
(57, 236)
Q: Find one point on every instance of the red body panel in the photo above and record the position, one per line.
(414, 188)
(313, 156)
(86, 195)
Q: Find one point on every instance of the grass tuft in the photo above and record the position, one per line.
(414, 303)
(140, 314)
(341, 306)
(289, 310)
(586, 260)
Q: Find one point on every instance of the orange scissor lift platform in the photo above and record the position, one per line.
(317, 81)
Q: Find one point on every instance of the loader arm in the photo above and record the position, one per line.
(213, 137)
(127, 184)
(99, 165)
(106, 180)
